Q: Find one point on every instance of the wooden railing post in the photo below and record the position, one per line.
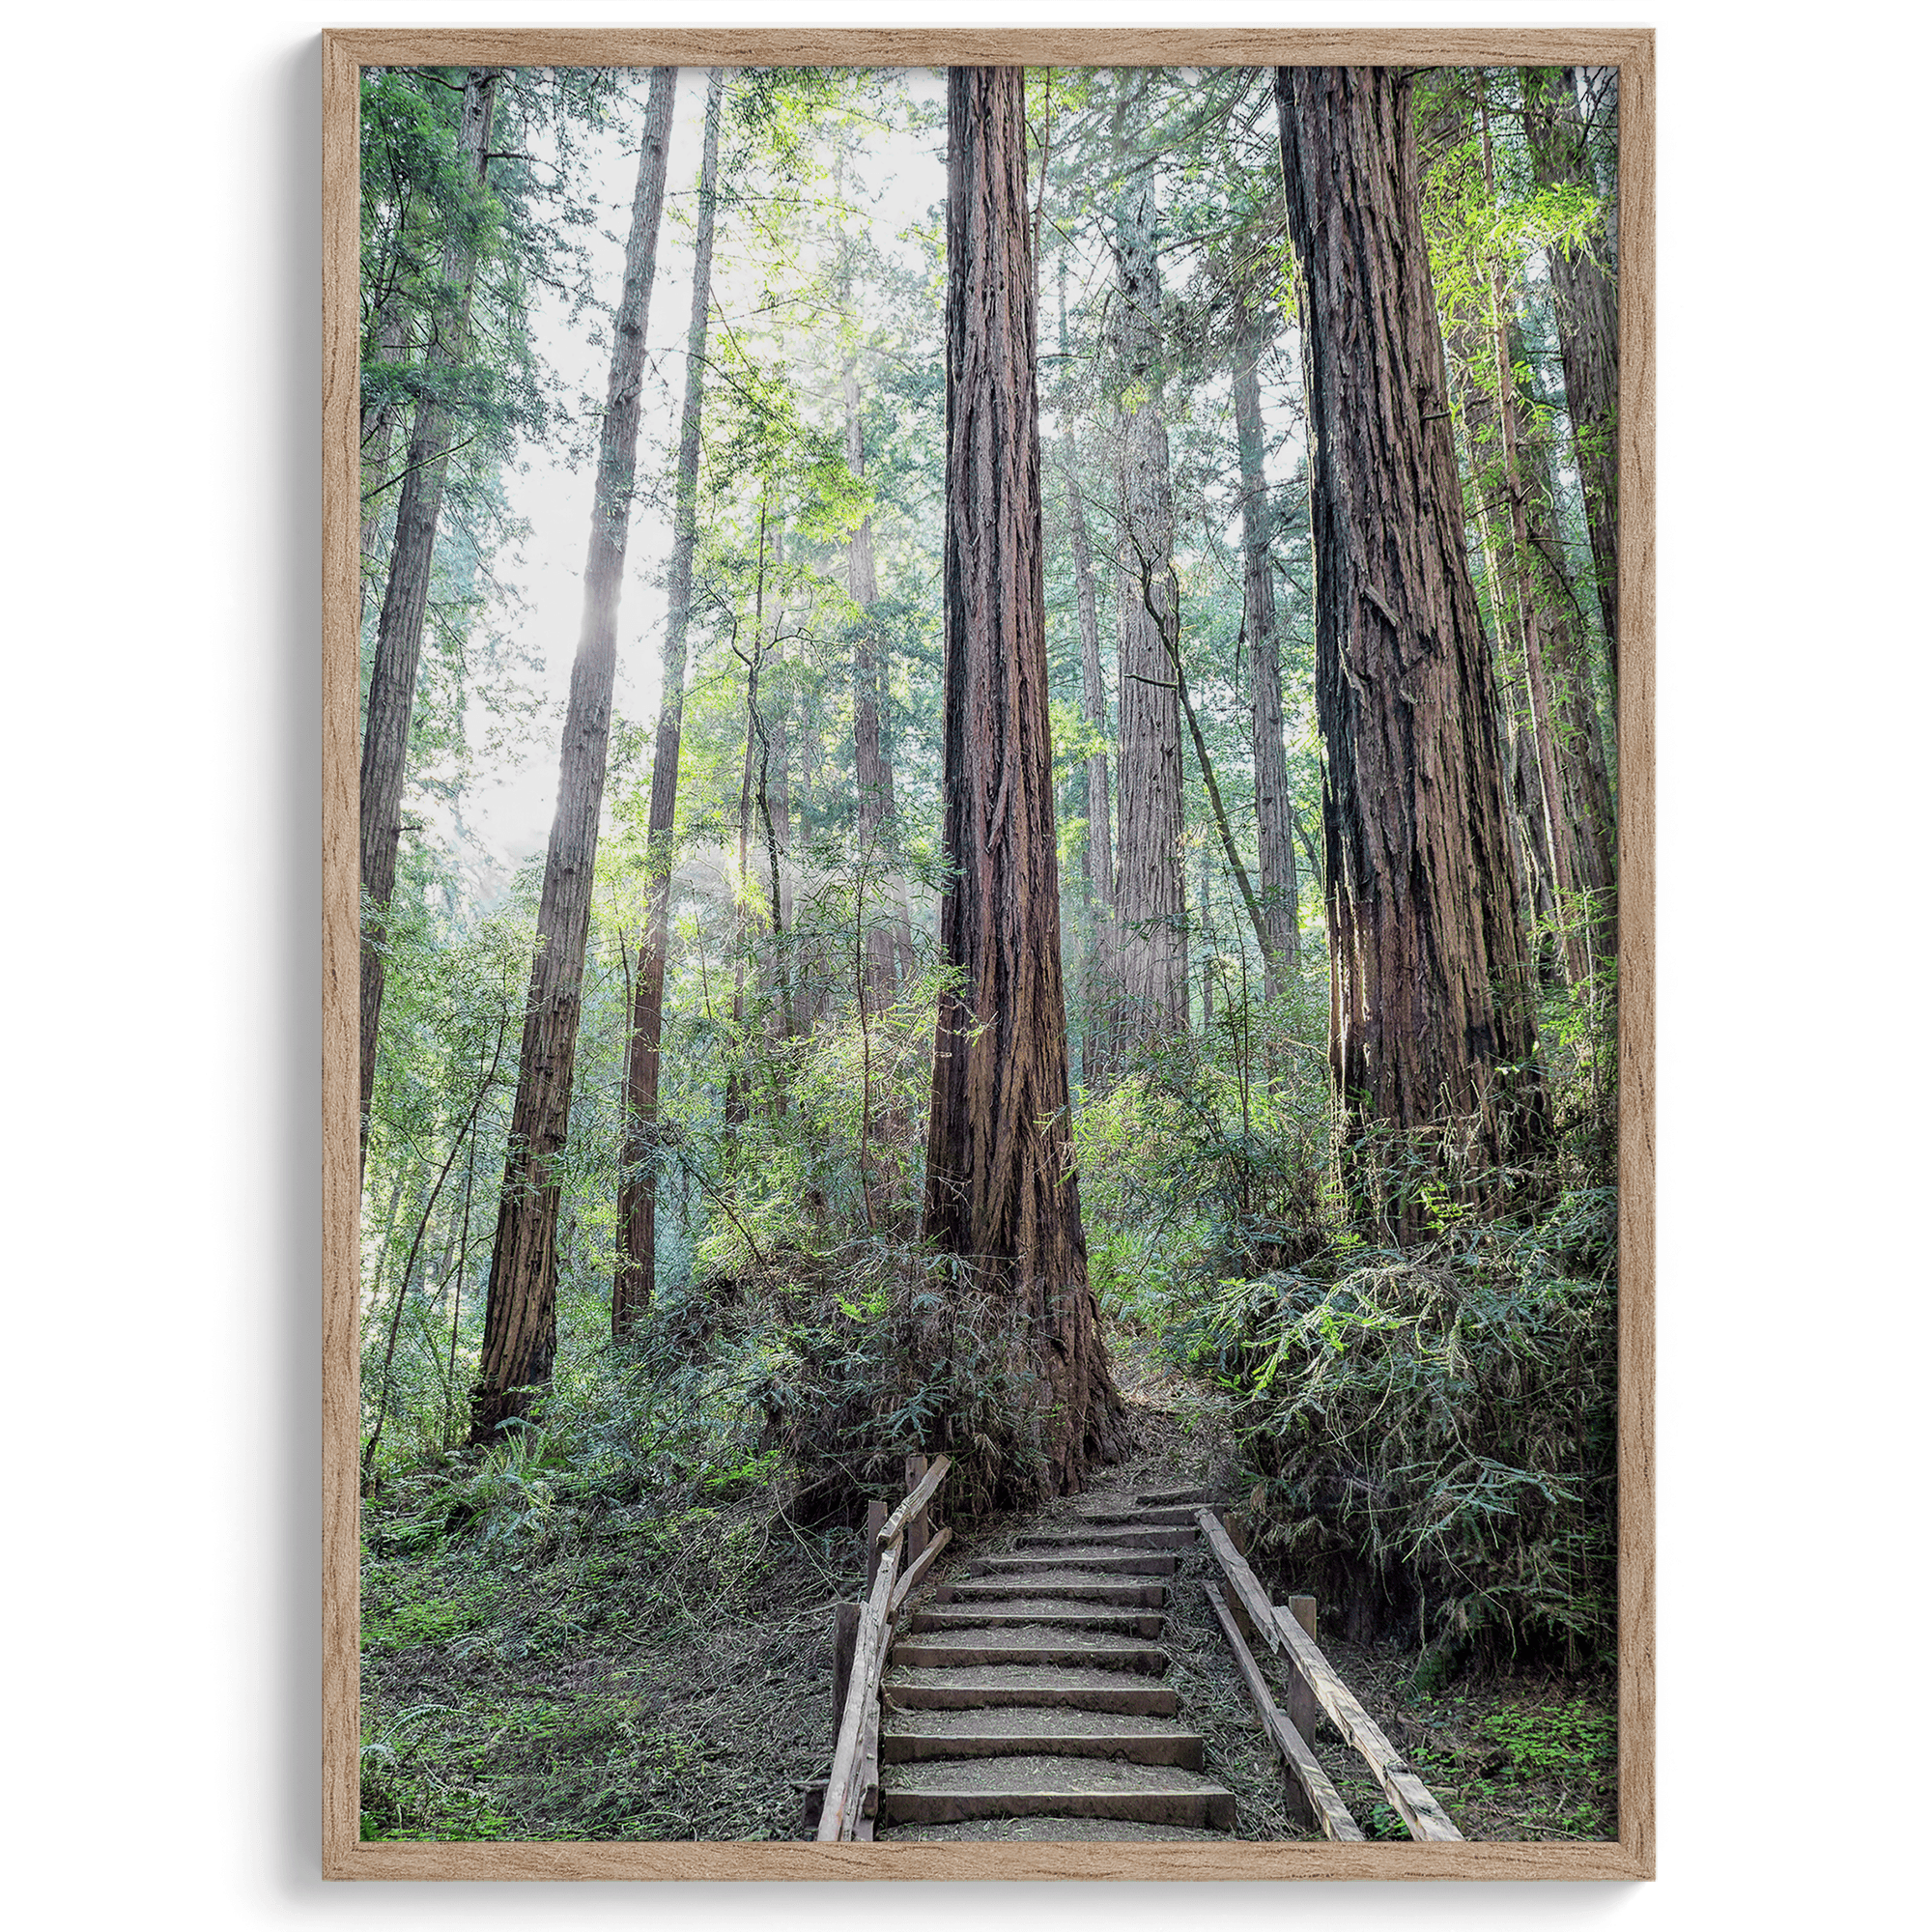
(845, 1643)
(1303, 1708)
(915, 1529)
(861, 1637)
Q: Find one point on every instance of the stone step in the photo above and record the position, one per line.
(1028, 1643)
(1084, 1557)
(922, 1737)
(1195, 1498)
(1015, 1687)
(1161, 1538)
(1003, 1612)
(1046, 1785)
(1073, 1586)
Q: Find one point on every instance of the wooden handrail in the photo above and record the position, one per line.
(1426, 1819)
(928, 1486)
(856, 1756)
(915, 1576)
(841, 1797)
(1324, 1800)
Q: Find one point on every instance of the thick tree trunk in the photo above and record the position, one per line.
(1150, 897)
(392, 680)
(635, 1282)
(520, 1319)
(1431, 1032)
(1586, 323)
(1274, 820)
(1000, 1187)
(1098, 854)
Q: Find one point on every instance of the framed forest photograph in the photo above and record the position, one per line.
(988, 954)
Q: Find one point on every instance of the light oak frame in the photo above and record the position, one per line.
(1631, 50)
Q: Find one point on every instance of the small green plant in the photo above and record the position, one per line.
(1571, 1741)
(1384, 1822)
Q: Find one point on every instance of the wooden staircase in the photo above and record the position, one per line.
(1031, 1688)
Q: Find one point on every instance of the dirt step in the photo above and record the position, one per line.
(1149, 1515)
(920, 1736)
(1163, 1538)
(1028, 1643)
(1052, 1831)
(1071, 1585)
(1067, 1787)
(1015, 1687)
(1160, 1498)
(1085, 1557)
(1000, 1614)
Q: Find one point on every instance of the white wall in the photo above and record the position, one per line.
(161, 783)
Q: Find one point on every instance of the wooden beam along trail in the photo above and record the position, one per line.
(1426, 1819)
(1324, 1802)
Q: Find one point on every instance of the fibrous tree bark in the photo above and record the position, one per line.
(1000, 1193)
(1432, 1034)
(635, 1281)
(1273, 808)
(520, 1321)
(1582, 277)
(1150, 896)
(393, 679)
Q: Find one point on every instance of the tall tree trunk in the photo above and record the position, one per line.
(1000, 1186)
(888, 946)
(378, 442)
(635, 1282)
(1467, 352)
(520, 1319)
(1586, 322)
(1273, 810)
(1529, 610)
(1150, 897)
(1098, 854)
(392, 680)
(737, 1077)
(1587, 801)
(1431, 1032)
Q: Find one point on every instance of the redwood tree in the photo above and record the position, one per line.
(1097, 854)
(1586, 320)
(392, 678)
(635, 1278)
(1432, 1037)
(1150, 896)
(1274, 812)
(1000, 1186)
(519, 1321)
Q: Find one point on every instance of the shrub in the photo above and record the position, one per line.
(1439, 1426)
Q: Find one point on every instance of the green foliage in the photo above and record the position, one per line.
(1569, 1740)
(1446, 1419)
(1209, 1155)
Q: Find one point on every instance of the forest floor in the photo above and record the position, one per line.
(603, 1670)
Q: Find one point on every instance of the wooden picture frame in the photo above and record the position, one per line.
(1632, 1856)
